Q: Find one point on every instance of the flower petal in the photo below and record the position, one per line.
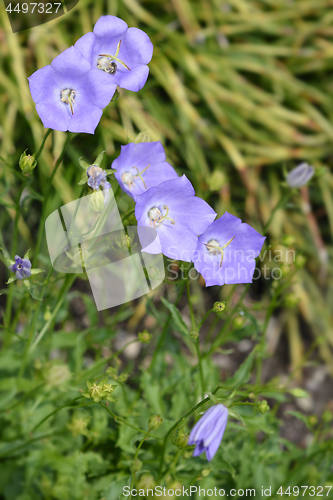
(39, 83)
(71, 61)
(107, 26)
(136, 47)
(85, 45)
(132, 80)
(58, 119)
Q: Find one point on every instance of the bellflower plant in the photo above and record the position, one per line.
(142, 166)
(226, 251)
(208, 432)
(178, 216)
(69, 94)
(119, 53)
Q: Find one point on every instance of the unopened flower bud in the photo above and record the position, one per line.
(96, 202)
(327, 416)
(288, 240)
(206, 472)
(218, 307)
(238, 322)
(194, 335)
(291, 300)
(154, 422)
(300, 261)
(146, 482)
(216, 180)
(263, 406)
(27, 163)
(136, 465)
(142, 137)
(145, 337)
(300, 175)
(312, 420)
(179, 439)
(57, 375)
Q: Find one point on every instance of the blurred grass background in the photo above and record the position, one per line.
(237, 91)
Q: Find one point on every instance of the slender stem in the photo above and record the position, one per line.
(280, 204)
(66, 286)
(19, 447)
(136, 456)
(123, 421)
(67, 405)
(165, 329)
(47, 133)
(46, 195)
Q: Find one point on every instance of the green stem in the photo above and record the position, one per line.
(136, 456)
(165, 329)
(19, 447)
(66, 286)
(66, 405)
(280, 204)
(47, 133)
(46, 195)
(123, 421)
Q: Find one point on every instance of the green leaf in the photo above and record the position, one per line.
(11, 280)
(176, 316)
(83, 180)
(84, 164)
(37, 270)
(298, 393)
(99, 159)
(26, 255)
(243, 374)
(110, 171)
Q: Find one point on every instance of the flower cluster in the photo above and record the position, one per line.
(222, 250)
(100, 391)
(72, 91)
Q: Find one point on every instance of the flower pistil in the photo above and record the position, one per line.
(68, 96)
(156, 217)
(129, 178)
(107, 64)
(214, 248)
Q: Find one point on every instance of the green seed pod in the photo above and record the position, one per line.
(145, 337)
(180, 439)
(263, 406)
(219, 307)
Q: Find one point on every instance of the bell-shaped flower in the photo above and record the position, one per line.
(142, 166)
(178, 216)
(119, 52)
(94, 175)
(69, 94)
(208, 432)
(226, 251)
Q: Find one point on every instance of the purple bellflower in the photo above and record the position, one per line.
(69, 94)
(178, 216)
(142, 166)
(21, 268)
(226, 251)
(118, 52)
(208, 432)
(300, 175)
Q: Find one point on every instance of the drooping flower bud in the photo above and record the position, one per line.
(300, 175)
(27, 163)
(97, 201)
(154, 422)
(194, 335)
